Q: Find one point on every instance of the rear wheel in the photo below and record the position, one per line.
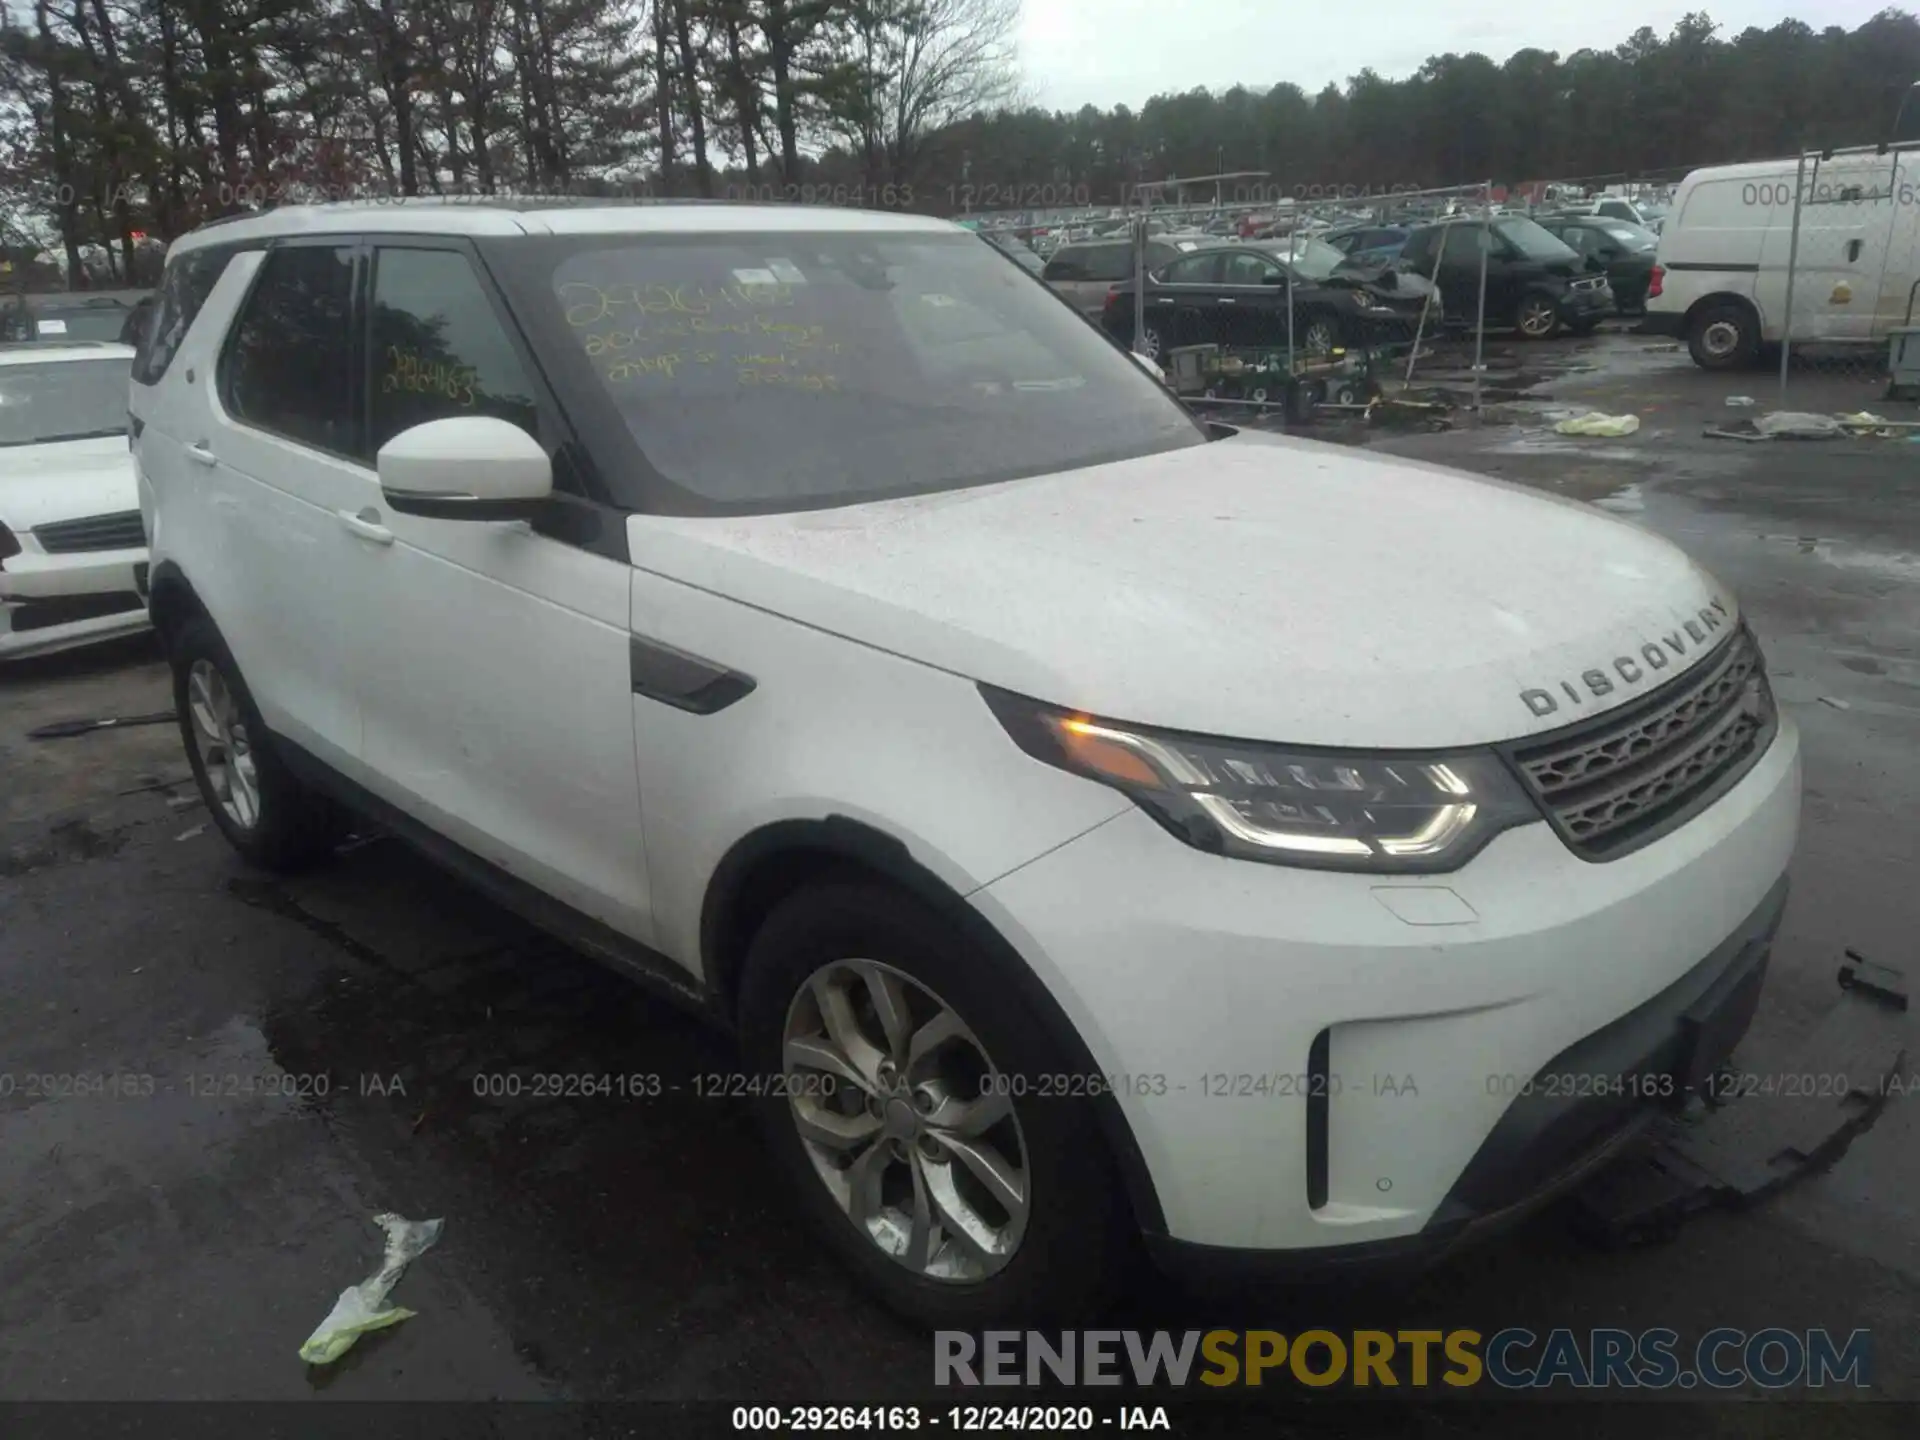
(1723, 336)
(269, 816)
(909, 1120)
(1154, 343)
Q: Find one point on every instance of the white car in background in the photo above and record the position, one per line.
(73, 555)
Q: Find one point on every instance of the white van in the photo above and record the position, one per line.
(1721, 277)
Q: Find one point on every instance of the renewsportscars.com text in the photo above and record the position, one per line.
(1512, 1359)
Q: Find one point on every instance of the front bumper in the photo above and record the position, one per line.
(1557, 1135)
(1594, 304)
(54, 602)
(1312, 1061)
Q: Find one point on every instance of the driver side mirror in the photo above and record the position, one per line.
(467, 467)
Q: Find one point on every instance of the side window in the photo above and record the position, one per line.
(1064, 266)
(1247, 268)
(1193, 270)
(189, 279)
(288, 365)
(1420, 250)
(1109, 262)
(439, 349)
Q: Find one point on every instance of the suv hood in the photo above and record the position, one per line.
(1258, 587)
(66, 481)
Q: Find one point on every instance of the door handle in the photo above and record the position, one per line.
(1226, 300)
(201, 455)
(366, 525)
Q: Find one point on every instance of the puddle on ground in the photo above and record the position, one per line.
(1630, 500)
(1902, 567)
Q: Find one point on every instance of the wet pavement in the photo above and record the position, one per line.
(264, 1064)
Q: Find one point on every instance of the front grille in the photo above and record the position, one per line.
(1591, 284)
(121, 531)
(1622, 780)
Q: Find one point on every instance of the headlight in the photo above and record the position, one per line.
(1329, 809)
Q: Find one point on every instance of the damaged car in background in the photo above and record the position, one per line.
(1252, 293)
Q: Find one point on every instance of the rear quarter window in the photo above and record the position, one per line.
(190, 277)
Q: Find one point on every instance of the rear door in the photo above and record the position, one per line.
(499, 705)
(1253, 300)
(270, 450)
(1184, 303)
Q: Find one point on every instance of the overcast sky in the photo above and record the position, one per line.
(1111, 52)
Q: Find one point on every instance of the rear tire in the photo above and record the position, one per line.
(1723, 336)
(270, 817)
(838, 950)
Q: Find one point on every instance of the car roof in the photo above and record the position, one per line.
(552, 215)
(38, 352)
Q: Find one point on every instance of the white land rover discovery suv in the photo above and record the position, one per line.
(1094, 824)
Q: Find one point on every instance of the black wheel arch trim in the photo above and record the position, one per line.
(861, 844)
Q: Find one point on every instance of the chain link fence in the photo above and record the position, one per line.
(1279, 310)
(1831, 240)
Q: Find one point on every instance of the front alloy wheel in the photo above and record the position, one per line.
(1321, 338)
(1539, 317)
(906, 1120)
(221, 741)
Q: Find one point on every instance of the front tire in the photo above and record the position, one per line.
(1538, 317)
(911, 1128)
(269, 816)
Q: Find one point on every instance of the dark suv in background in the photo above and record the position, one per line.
(1083, 271)
(1536, 283)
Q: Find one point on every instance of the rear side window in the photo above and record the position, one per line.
(439, 349)
(288, 366)
(1066, 265)
(1110, 262)
(189, 279)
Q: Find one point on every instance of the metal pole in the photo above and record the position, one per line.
(1140, 287)
(1427, 304)
(1793, 258)
(1480, 330)
(1288, 390)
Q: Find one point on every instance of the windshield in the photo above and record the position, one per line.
(63, 400)
(757, 371)
(1311, 259)
(1533, 241)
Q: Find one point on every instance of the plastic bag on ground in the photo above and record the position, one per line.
(1594, 423)
(1797, 425)
(361, 1307)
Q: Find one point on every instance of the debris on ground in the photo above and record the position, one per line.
(360, 1308)
(60, 729)
(1741, 1144)
(1595, 423)
(188, 834)
(1780, 425)
(1739, 401)
(1797, 425)
(1835, 703)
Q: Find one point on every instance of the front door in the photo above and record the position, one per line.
(498, 705)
